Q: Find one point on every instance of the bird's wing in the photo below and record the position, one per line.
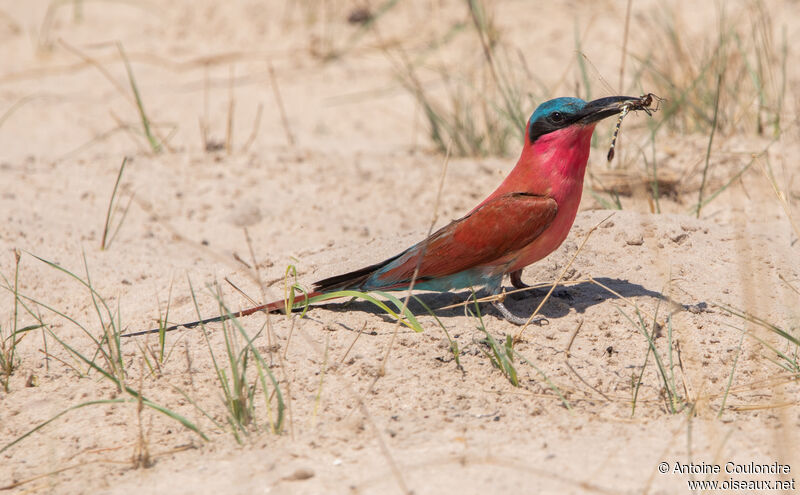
(496, 229)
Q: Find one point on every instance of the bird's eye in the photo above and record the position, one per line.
(557, 117)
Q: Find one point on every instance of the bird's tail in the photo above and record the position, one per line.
(273, 307)
(356, 280)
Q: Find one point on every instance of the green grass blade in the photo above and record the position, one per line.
(154, 144)
(188, 424)
(406, 312)
(110, 210)
(408, 320)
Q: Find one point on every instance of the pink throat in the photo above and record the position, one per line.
(552, 166)
(562, 155)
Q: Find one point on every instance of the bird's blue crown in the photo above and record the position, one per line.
(565, 105)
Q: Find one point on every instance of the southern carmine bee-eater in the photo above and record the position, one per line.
(526, 218)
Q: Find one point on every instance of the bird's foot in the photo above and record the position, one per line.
(517, 320)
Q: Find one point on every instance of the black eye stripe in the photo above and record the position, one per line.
(549, 123)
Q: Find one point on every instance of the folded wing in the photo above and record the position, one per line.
(491, 232)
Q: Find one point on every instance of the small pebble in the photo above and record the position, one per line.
(634, 240)
(300, 475)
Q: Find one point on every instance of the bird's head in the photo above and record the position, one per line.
(564, 113)
(559, 133)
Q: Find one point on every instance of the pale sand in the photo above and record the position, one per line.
(359, 185)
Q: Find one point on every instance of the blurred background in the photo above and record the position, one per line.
(81, 78)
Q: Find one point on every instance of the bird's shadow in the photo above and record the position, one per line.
(578, 297)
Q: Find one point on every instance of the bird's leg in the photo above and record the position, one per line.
(495, 288)
(517, 320)
(516, 280)
(508, 315)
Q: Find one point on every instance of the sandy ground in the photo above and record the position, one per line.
(353, 181)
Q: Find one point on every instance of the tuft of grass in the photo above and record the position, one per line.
(155, 145)
(740, 65)
(673, 401)
(290, 291)
(785, 355)
(135, 99)
(120, 400)
(107, 346)
(113, 210)
(501, 356)
(155, 359)
(8, 342)
(481, 110)
(695, 208)
(234, 373)
(788, 358)
(162, 328)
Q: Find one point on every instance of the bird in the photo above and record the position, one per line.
(525, 219)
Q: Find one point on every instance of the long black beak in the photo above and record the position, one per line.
(606, 107)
